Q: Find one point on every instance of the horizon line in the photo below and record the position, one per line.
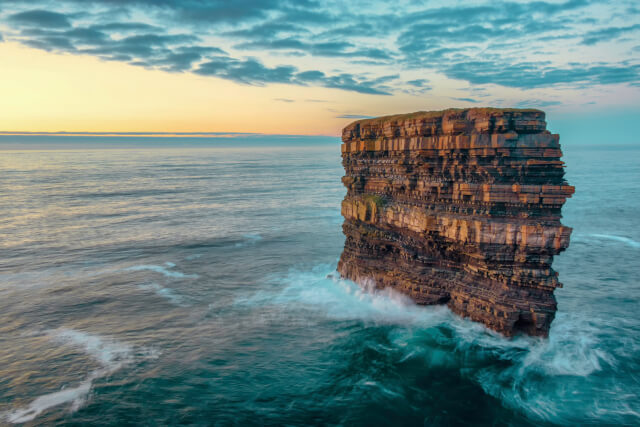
(155, 134)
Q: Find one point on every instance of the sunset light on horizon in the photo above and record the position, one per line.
(302, 67)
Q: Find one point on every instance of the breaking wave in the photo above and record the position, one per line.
(565, 378)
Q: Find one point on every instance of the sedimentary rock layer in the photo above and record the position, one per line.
(458, 207)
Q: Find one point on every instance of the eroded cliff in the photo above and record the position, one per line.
(458, 207)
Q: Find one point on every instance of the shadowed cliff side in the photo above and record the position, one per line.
(458, 207)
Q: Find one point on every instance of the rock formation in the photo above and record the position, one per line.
(458, 207)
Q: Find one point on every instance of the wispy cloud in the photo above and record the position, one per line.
(537, 103)
(471, 100)
(353, 116)
(365, 50)
(40, 18)
(609, 33)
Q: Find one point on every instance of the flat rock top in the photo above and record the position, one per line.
(453, 121)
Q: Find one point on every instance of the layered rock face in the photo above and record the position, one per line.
(458, 207)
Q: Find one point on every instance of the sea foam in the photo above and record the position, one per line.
(535, 379)
(166, 293)
(110, 354)
(163, 270)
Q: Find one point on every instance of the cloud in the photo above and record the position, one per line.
(371, 48)
(537, 103)
(606, 34)
(353, 116)
(51, 44)
(331, 49)
(287, 100)
(181, 61)
(252, 72)
(85, 35)
(249, 71)
(310, 76)
(41, 19)
(307, 12)
(267, 30)
(418, 83)
(152, 46)
(126, 27)
(200, 12)
(483, 44)
(343, 81)
(530, 75)
(471, 100)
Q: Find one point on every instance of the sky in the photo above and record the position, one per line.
(309, 67)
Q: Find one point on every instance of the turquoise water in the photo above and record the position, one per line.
(197, 286)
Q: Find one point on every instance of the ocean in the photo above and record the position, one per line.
(197, 286)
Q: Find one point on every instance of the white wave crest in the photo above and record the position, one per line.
(76, 395)
(164, 293)
(110, 354)
(249, 239)
(163, 270)
(323, 290)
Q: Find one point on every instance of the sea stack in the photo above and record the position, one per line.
(459, 207)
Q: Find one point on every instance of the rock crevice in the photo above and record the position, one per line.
(458, 207)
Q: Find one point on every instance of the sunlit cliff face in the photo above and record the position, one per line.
(305, 67)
